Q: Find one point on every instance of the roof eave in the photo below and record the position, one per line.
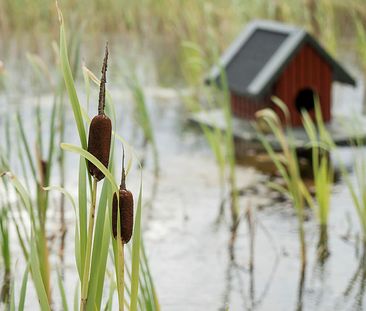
(344, 78)
(339, 73)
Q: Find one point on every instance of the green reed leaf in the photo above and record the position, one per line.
(69, 83)
(94, 160)
(23, 289)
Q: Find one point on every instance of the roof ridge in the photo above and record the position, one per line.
(275, 64)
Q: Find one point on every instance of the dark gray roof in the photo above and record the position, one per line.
(257, 57)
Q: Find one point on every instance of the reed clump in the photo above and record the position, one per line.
(99, 145)
(321, 145)
(357, 184)
(287, 164)
(92, 243)
(221, 142)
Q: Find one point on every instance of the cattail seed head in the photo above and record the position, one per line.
(99, 143)
(125, 208)
(125, 213)
(100, 130)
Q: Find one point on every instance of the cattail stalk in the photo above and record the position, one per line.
(122, 226)
(99, 142)
(100, 130)
(120, 272)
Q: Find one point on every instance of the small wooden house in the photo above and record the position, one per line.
(274, 59)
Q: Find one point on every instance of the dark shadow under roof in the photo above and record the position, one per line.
(257, 57)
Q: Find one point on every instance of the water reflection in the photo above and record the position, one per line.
(356, 286)
(300, 291)
(246, 282)
(5, 288)
(322, 247)
(228, 286)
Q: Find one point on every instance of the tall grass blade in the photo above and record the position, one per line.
(37, 277)
(69, 83)
(100, 251)
(61, 287)
(82, 204)
(23, 290)
(12, 297)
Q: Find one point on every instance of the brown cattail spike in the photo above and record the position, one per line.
(99, 143)
(125, 210)
(103, 81)
(100, 130)
(125, 215)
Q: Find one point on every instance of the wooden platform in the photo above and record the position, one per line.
(245, 135)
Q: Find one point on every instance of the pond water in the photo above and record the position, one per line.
(188, 251)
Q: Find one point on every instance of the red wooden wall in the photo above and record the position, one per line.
(246, 108)
(306, 70)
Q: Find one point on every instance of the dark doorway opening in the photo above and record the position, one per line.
(305, 100)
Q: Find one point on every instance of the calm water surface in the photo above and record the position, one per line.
(187, 251)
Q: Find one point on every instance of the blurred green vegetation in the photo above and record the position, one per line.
(199, 21)
(168, 25)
